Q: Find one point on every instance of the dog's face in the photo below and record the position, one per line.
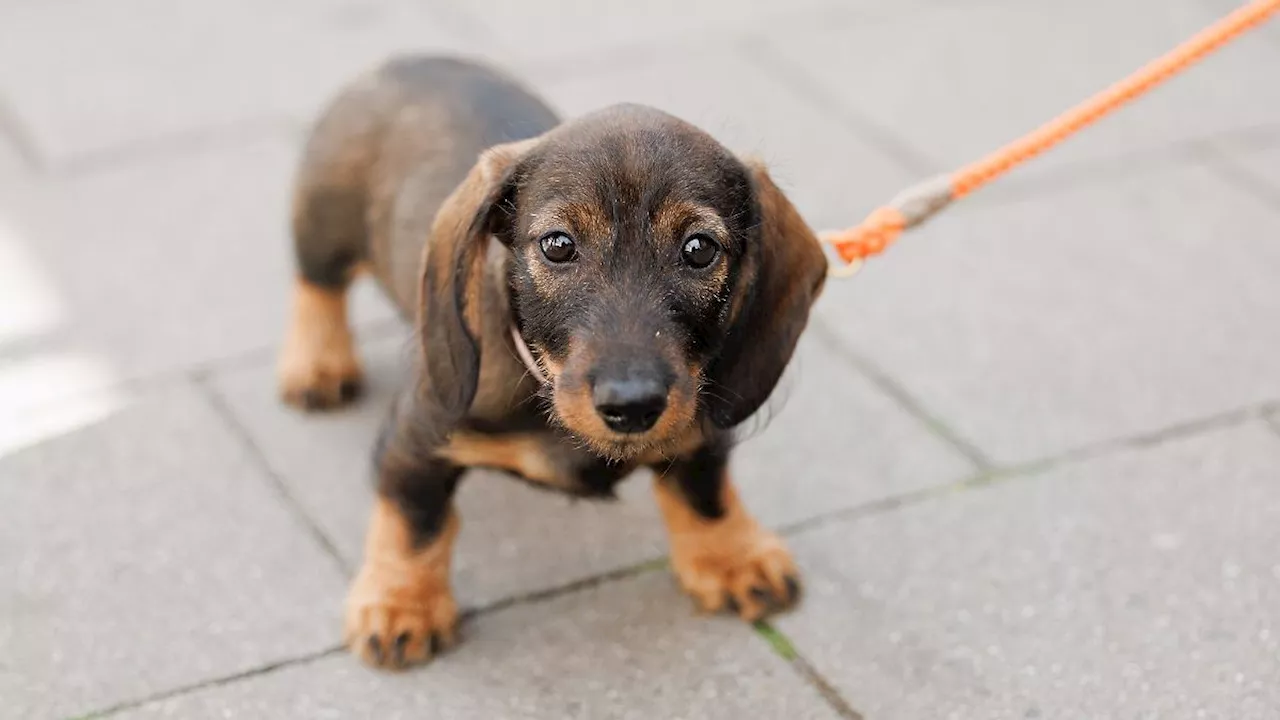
(655, 276)
(627, 240)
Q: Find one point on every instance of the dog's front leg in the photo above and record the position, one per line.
(400, 609)
(721, 555)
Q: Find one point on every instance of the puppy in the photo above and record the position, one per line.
(592, 297)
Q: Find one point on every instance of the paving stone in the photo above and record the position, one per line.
(579, 27)
(833, 442)
(628, 649)
(16, 172)
(1066, 319)
(1260, 164)
(144, 551)
(828, 171)
(27, 309)
(12, 164)
(143, 68)
(828, 440)
(34, 369)
(963, 79)
(157, 266)
(1140, 585)
(1265, 163)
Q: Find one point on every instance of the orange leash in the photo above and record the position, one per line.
(921, 202)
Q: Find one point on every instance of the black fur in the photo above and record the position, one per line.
(700, 477)
(329, 236)
(421, 485)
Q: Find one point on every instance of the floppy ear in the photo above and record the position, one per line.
(451, 288)
(789, 271)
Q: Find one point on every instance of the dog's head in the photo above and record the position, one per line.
(659, 280)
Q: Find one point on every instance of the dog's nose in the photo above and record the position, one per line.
(630, 404)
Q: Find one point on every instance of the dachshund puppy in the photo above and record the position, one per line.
(592, 296)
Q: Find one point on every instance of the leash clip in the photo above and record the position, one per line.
(842, 269)
(836, 265)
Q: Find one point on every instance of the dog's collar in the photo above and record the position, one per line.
(526, 356)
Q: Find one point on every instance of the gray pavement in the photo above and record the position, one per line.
(1029, 461)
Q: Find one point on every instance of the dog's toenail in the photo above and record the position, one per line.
(793, 588)
(397, 651)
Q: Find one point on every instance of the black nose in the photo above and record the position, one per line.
(630, 404)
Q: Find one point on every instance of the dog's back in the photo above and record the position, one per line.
(387, 152)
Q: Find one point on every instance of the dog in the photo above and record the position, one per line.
(591, 297)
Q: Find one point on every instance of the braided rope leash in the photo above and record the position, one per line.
(920, 202)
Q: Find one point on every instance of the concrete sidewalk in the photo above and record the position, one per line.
(1029, 461)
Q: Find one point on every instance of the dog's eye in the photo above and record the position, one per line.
(700, 251)
(558, 247)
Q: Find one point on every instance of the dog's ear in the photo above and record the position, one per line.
(785, 274)
(451, 287)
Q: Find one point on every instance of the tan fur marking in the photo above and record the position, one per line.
(550, 366)
(574, 408)
(587, 220)
(319, 357)
(401, 592)
(523, 454)
(682, 447)
(723, 560)
(682, 407)
(677, 219)
(576, 411)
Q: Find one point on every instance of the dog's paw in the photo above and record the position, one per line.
(747, 571)
(317, 381)
(396, 619)
(318, 368)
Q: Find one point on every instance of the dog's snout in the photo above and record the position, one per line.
(630, 403)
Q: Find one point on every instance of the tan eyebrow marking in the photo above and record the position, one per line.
(675, 219)
(580, 219)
